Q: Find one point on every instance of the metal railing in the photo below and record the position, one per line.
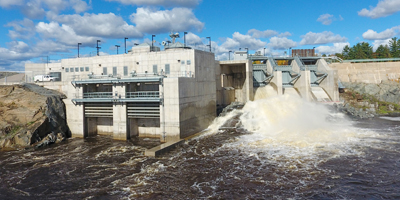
(143, 94)
(92, 95)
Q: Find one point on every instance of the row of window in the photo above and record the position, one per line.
(86, 69)
(77, 69)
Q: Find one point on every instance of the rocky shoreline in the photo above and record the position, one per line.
(367, 100)
(31, 116)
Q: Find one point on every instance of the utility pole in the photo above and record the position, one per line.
(209, 43)
(78, 48)
(98, 47)
(152, 42)
(117, 48)
(125, 44)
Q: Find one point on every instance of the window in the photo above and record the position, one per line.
(125, 70)
(82, 69)
(188, 62)
(66, 69)
(154, 69)
(76, 69)
(104, 70)
(114, 71)
(166, 68)
(182, 62)
(71, 69)
(87, 69)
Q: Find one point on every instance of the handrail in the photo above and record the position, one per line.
(143, 94)
(97, 95)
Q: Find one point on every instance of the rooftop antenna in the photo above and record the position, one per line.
(174, 36)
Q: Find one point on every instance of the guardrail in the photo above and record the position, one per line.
(91, 95)
(144, 94)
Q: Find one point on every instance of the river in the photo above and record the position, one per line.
(276, 148)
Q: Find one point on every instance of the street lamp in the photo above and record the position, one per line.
(152, 42)
(289, 50)
(264, 51)
(98, 47)
(229, 53)
(125, 43)
(117, 48)
(184, 38)
(209, 44)
(78, 48)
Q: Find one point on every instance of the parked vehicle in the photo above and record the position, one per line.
(43, 78)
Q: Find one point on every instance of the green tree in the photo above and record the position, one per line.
(394, 45)
(383, 51)
(346, 52)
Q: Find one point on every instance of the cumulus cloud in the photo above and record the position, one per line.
(383, 9)
(24, 29)
(161, 21)
(193, 39)
(281, 43)
(377, 43)
(9, 3)
(246, 41)
(62, 33)
(261, 34)
(164, 3)
(98, 25)
(330, 50)
(325, 19)
(321, 38)
(36, 9)
(388, 33)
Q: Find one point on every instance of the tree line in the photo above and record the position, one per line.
(363, 50)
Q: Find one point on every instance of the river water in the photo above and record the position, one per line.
(276, 148)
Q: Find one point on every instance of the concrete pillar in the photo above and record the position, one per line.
(249, 81)
(277, 80)
(75, 118)
(303, 85)
(119, 113)
(90, 126)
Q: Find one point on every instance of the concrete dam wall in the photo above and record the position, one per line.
(373, 72)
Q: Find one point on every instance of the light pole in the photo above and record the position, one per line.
(78, 48)
(184, 38)
(98, 47)
(264, 51)
(117, 48)
(229, 53)
(152, 42)
(125, 43)
(289, 50)
(209, 43)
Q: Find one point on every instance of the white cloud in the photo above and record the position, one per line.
(377, 43)
(281, 43)
(246, 41)
(388, 33)
(161, 21)
(165, 3)
(36, 9)
(329, 50)
(9, 3)
(321, 38)
(24, 29)
(325, 19)
(63, 34)
(18, 46)
(98, 25)
(261, 34)
(383, 9)
(192, 38)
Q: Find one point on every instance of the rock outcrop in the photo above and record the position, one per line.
(31, 116)
(365, 100)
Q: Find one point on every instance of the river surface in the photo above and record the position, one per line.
(278, 148)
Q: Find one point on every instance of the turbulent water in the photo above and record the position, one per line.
(276, 148)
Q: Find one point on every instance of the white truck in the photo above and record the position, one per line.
(43, 78)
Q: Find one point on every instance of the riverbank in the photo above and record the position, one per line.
(366, 100)
(31, 116)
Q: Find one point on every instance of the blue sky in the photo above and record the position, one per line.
(33, 30)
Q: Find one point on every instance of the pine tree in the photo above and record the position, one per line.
(394, 46)
(383, 51)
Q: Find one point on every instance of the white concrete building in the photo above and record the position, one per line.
(167, 94)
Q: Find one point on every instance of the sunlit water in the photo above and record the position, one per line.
(276, 148)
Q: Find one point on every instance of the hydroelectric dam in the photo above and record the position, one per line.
(174, 93)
